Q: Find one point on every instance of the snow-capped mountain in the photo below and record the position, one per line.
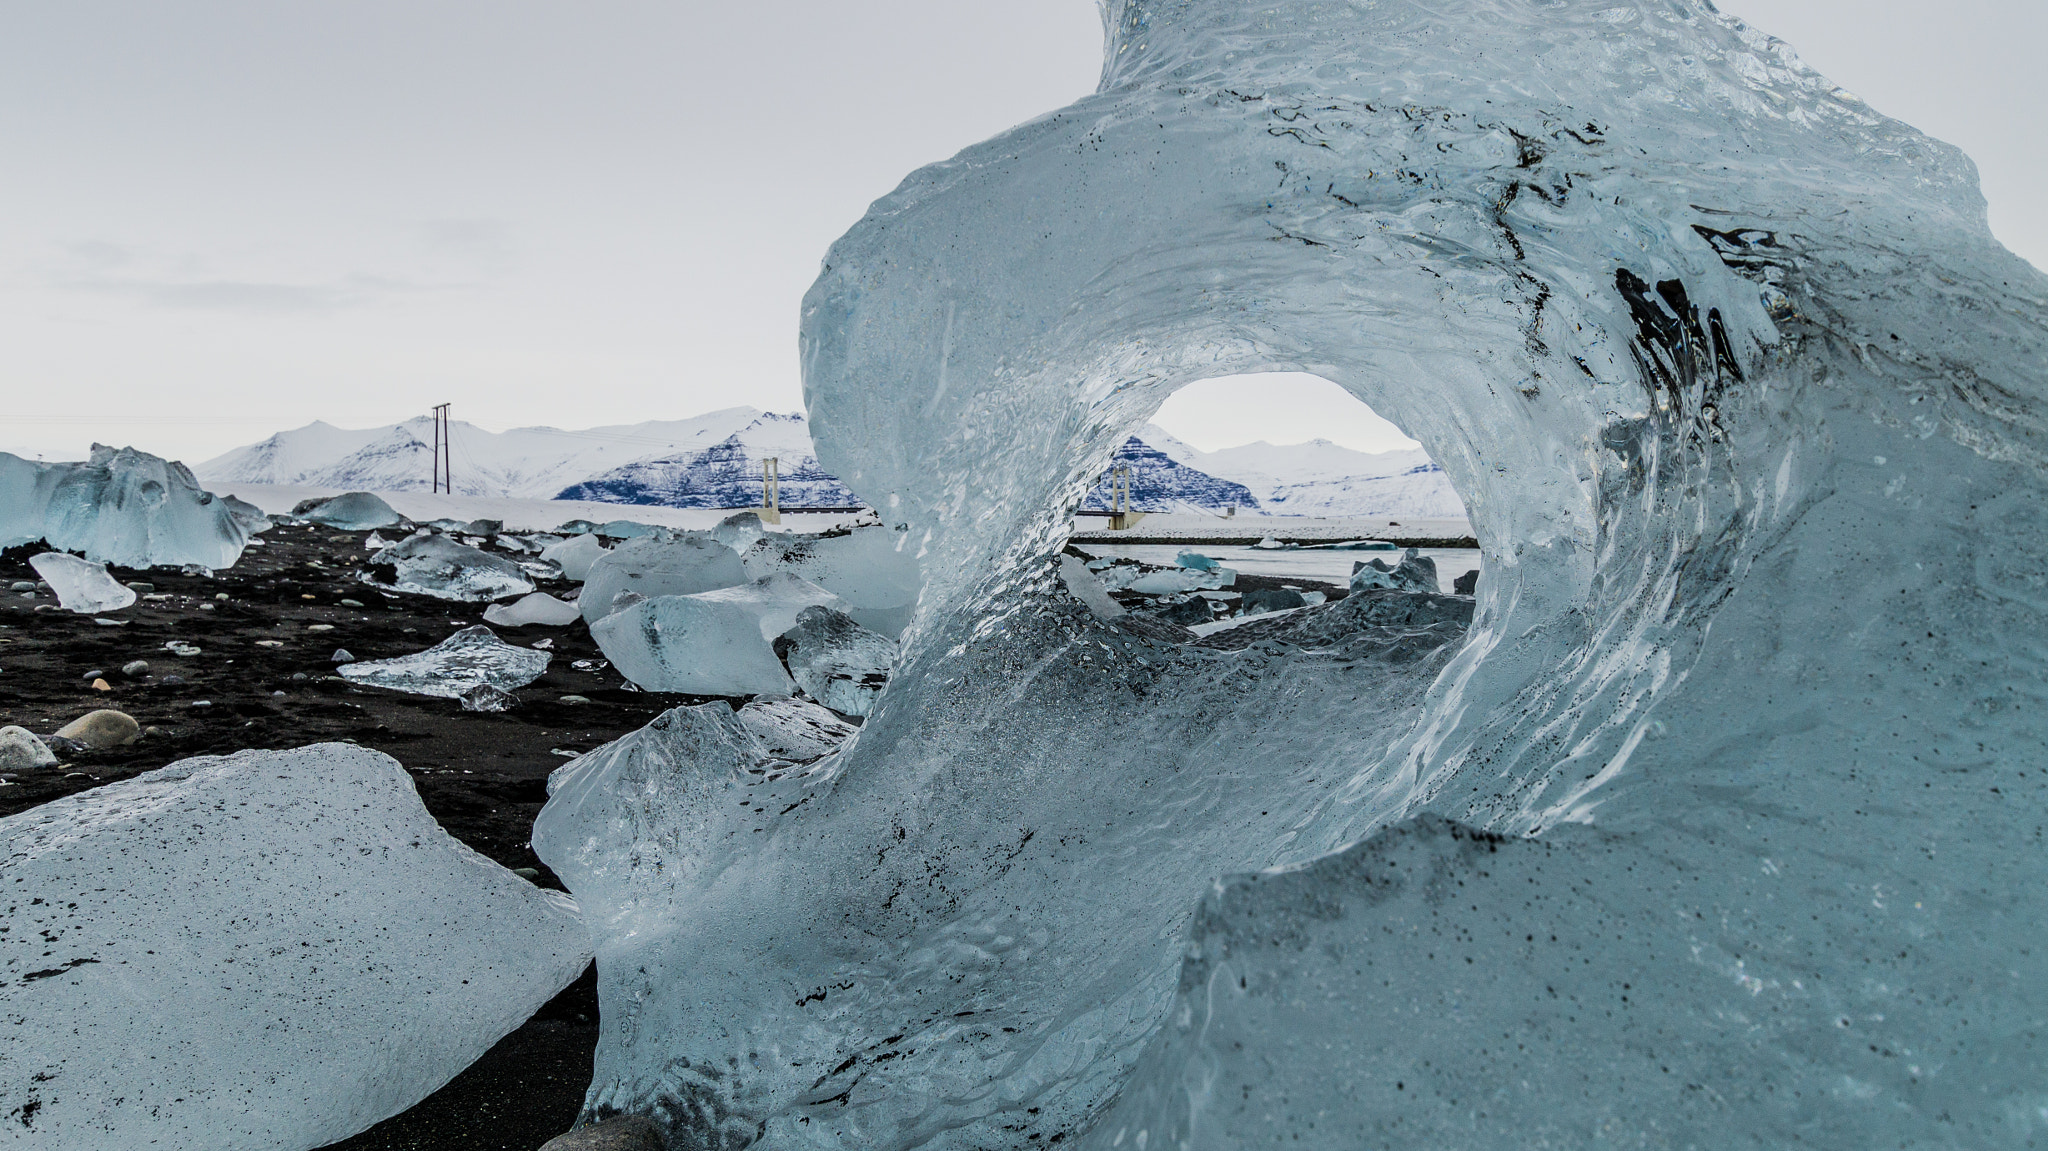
(1319, 478)
(715, 461)
(1160, 483)
(700, 462)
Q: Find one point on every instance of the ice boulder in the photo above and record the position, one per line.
(660, 565)
(712, 643)
(475, 655)
(350, 511)
(81, 585)
(1414, 572)
(1083, 584)
(739, 531)
(438, 566)
(874, 569)
(252, 518)
(574, 555)
(121, 507)
(1688, 327)
(539, 609)
(1179, 580)
(267, 951)
(838, 662)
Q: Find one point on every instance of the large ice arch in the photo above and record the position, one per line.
(1746, 406)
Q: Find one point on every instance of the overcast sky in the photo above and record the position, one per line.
(220, 219)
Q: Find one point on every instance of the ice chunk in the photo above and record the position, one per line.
(438, 566)
(874, 569)
(471, 656)
(350, 511)
(1722, 320)
(273, 949)
(1195, 560)
(1086, 586)
(626, 530)
(81, 585)
(252, 518)
(1171, 581)
(124, 507)
(484, 697)
(775, 600)
(739, 531)
(794, 732)
(658, 566)
(694, 644)
(538, 609)
(838, 662)
(575, 555)
(1415, 572)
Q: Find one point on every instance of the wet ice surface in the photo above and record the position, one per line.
(574, 555)
(696, 644)
(261, 952)
(663, 564)
(121, 507)
(475, 655)
(438, 566)
(81, 585)
(1743, 399)
(838, 662)
(539, 608)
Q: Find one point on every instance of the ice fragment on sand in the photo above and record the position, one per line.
(739, 531)
(438, 566)
(268, 951)
(574, 555)
(81, 585)
(874, 569)
(122, 507)
(838, 662)
(350, 511)
(692, 644)
(1415, 572)
(484, 697)
(1086, 586)
(660, 565)
(538, 609)
(471, 656)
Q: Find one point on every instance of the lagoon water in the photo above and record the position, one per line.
(1320, 565)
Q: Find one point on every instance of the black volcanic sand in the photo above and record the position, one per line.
(483, 775)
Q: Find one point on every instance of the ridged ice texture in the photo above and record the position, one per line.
(267, 951)
(1746, 406)
(121, 507)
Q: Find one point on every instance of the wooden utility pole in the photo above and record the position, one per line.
(444, 471)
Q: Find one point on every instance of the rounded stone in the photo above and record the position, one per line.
(135, 667)
(102, 729)
(20, 750)
(619, 1133)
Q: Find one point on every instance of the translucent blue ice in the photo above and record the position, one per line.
(1747, 409)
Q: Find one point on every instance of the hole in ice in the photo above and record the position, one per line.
(1269, 492)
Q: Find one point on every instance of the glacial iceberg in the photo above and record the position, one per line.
(1746, 406)
(1414, 572)
(659, 565)
(121, 507)
(266, 951)
(350, 511)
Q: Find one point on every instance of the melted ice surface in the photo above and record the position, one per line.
(1700, 340)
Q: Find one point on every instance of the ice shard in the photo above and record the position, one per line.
(81, 585)
(711, 643)
(1746, 405)
(575, 555)
(450, 669)
(435, 565)
(267, 951)
(836, 661)
(875, 569)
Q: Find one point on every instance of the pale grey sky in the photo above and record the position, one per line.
(224, 218)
